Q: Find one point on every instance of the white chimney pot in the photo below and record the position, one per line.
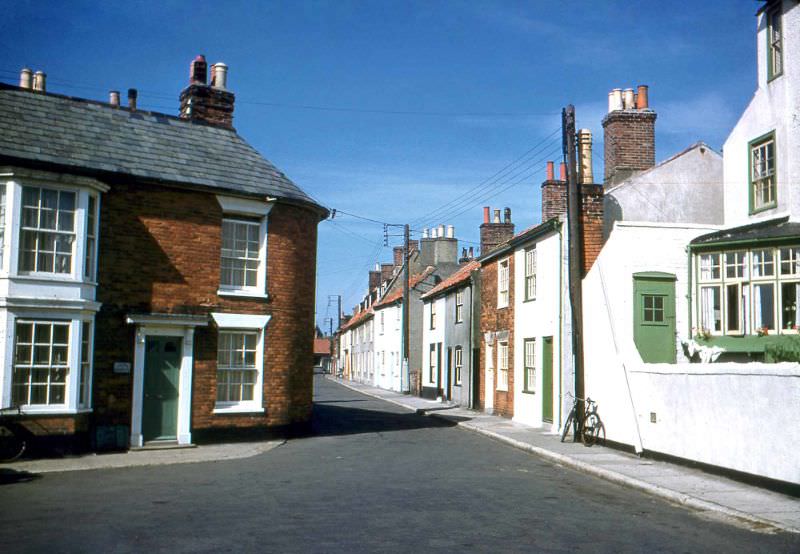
(220, 75)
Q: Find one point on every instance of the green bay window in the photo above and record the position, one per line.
(763, 179)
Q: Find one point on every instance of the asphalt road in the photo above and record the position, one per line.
(373, 478)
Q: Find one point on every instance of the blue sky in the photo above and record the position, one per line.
(391, 110)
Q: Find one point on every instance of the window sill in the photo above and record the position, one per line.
(529, 300)
(238, 293)
(49, 277)
(528, 392)
(243, 409)
(498, 389)
(52, 410)
(754, 211)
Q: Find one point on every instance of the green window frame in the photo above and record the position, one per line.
(762, 173)
(774, 43)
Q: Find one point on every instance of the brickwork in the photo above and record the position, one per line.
(493, 234)
(159, 253)
(494, 320)
(208, 104)
(630, 143)
(592, 219)
(554, 199)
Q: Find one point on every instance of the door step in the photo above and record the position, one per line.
(161, 445)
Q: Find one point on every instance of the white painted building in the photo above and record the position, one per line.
(388, 335)
(434, 371)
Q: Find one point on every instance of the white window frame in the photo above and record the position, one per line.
(432, 363)
(502, 365)
(774, 43)
(72, 403)
(529, 364)
(503, 277)
(459, 315)
(432, 314)
(530, 273)
(244, 323)
(252, 212)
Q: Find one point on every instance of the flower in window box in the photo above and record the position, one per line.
(762, 331)
(702, 334)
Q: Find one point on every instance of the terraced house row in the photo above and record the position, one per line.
(690, 276)
(157, 273)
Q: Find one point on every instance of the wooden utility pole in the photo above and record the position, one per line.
(405, 376)
(574, 217)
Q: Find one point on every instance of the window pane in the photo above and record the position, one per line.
(732, 301)
(710, 312)
(764, 306)
(789, 305)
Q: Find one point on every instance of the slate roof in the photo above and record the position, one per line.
(95, 138)
(773, 229)
(530, 233)
(458, 278)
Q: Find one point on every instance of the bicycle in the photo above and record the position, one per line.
(12, 441)
(589, 427)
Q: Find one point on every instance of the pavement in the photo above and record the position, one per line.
(716, 496)
(144, 457)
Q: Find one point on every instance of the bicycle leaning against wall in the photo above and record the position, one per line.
(12, 435)
(589, 428)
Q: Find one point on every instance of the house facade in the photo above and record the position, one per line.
(157, 281)
(450, 337)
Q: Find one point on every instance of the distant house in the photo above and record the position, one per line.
(322, 354)
(157, 277)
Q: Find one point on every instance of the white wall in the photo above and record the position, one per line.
(609, 349)
(433, 336)
(388, 375)
(537, 319)
(774, 107)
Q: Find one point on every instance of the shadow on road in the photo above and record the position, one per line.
(10, 476)
(330, 420)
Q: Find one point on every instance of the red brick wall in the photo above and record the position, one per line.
(159, 252)
(630, 143)
(493, 234)
(592, 218)
(554, 199)
(493, 320)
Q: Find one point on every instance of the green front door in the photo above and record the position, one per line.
(162, 363)
(547, 379)
(654, 316)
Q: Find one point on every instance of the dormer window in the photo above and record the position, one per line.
(774, 43)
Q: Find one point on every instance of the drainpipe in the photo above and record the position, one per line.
(689, 289)
(560, 325)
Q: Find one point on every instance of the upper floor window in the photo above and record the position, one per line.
(240, 254)
(47, 230)
(382, 322)
(502, 283)
(460, 306)
(89, 266)
(530, 274)
(762, 173)
(774, 43)
(2, 224)
(433, 314)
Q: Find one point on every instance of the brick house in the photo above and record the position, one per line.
(159, 273)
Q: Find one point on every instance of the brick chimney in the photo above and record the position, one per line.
(374, 278)
(495, 232)
(554, 193)
(210, 103)
(630, 141)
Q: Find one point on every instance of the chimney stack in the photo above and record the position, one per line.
(209, 103)
(113, 98)
(133, 94)
(26, 79)
(550, 172)
(554, 193)
(585, 174)
(40, 81)
(398, 256)
(629, 132)
(486, 210)
(562, 172)
(496, 232)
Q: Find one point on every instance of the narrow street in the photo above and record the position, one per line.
(374, 477)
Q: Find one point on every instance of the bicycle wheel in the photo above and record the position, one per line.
(568, 424)
(11, 447)
(591, 429)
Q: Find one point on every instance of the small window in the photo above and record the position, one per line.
(530, 365)
(790, 261)
(530, 274)
(762, 174)
(736, 265)
(240, 254)
(653, 308)
(502, 283)
(460, 306)
(763, 263)
(237, 367)
(432, 364)
(459, 362)
(774, 43)
(502, 365)
(433, 314)
(710, 309)
(709, 267)
(382, 322)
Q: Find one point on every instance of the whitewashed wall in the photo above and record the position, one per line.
(534, 320)
(774, 107)
(387, 376)
(433, 336)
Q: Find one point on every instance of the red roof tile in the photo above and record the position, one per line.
(457, 278)
(363, 315)
(397, 293)
(322, 346)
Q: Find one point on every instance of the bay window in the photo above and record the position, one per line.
(753, 291)
(47, 230)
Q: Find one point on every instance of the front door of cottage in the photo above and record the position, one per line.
(547, 379)
(162, 365)
(654, 316)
